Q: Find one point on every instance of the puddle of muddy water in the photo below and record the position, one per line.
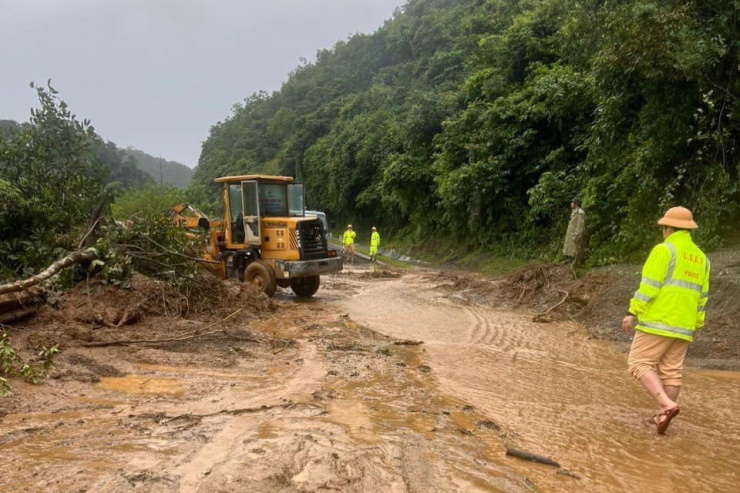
(354, 415)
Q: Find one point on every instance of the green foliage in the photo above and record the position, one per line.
(50, 182)
(12, 365)
(479, 120)
(149, 203)
(151, 246)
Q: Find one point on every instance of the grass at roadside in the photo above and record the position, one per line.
(490, 265)
(443, 254)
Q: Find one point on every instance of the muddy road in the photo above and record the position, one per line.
(558, 392)
(382, 382)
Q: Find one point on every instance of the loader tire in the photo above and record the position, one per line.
(262, 276)
(305, 287)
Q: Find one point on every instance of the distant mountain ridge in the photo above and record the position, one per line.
(163, 171)
(124, 163)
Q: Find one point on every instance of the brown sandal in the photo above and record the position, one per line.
(662, 426)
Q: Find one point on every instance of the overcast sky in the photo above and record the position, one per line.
(156, 74)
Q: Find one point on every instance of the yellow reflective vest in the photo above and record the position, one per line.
(349, 238)
(674, 289)
(375, 239)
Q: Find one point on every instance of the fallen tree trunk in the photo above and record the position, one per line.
(17, 315)
(13, 301)
(73, 258)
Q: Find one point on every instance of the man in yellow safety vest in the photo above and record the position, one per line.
(374, 244)
(348, 242)
(665, 312)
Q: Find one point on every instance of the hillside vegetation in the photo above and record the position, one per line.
(479, 120)
(161, 170)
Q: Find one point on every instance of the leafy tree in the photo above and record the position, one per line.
(49, 167)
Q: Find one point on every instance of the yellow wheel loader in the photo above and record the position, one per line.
(264, 238)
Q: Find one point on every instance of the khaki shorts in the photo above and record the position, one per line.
(349, 249)
(664, 355)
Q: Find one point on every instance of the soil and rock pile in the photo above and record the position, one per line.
(183, 317)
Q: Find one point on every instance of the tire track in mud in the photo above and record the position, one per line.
(491, 330)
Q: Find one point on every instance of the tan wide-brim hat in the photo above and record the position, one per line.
(374, 228)
(349, 226)
(678, 217)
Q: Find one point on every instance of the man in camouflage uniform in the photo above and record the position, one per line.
(574, 238)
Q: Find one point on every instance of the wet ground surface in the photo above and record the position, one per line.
(557, 392)
(382, 382)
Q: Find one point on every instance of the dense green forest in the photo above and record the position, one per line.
(465, 121)
(478, 120)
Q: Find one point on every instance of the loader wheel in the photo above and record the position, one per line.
(262, 276)
(305, 286)
(283, 283)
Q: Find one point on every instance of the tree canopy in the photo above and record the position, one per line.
(481, 119)
(50, 181)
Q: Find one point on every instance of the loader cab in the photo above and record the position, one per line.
(251, 202)
(266, 238)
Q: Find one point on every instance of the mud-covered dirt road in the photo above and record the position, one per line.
(381, 383)
(558, 392)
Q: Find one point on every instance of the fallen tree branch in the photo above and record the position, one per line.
(541, 316)
(73, 258)
(12, 301)
(194, 259)
(89, 232)
(176, 339)
(132, 313)
(521, 454)
(96, 217)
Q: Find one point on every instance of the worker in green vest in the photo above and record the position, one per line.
(374, 244)
(348, 242)
(666, 311)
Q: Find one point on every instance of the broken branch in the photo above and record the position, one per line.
(521, 454)
(541, 316)
(77, 257)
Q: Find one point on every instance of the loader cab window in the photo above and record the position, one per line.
(273, 200)
(235, 213)
(296, 200)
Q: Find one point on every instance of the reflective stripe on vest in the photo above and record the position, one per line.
(647, 299)
(669, 281)
(668, 328)
(650, 282)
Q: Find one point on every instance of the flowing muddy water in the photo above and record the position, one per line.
(333, 394)
(561, 394)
